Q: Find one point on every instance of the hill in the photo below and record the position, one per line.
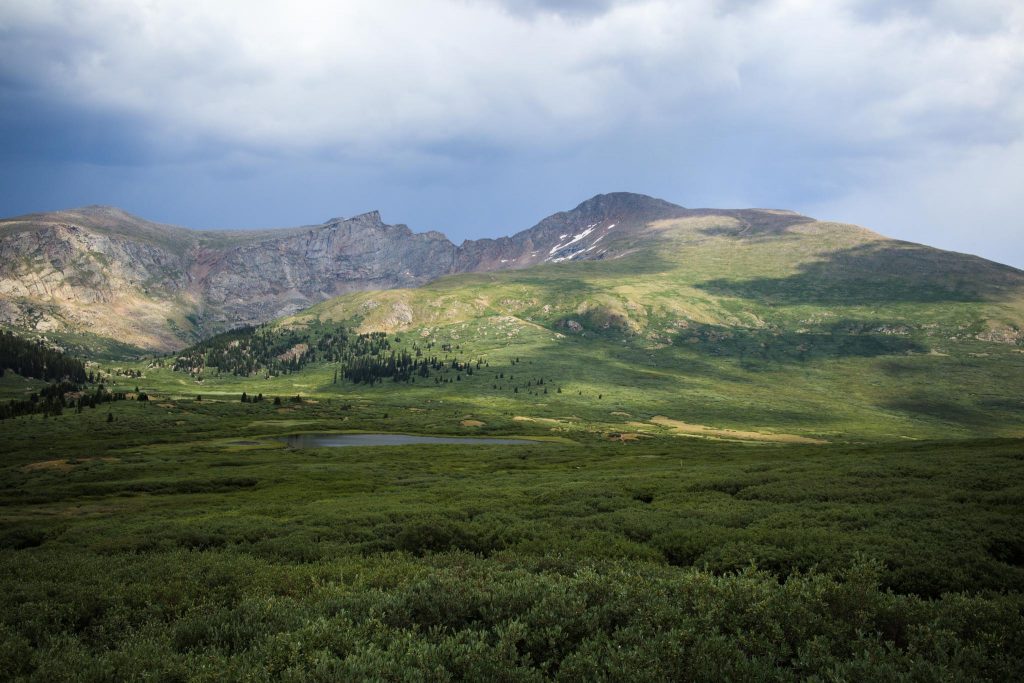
(786, 329)
(700, 321)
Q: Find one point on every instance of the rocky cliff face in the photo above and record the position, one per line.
(268, 278)
(99, 271)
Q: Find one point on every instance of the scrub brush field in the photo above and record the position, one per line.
(184, 540)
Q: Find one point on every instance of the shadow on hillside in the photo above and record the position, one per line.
(579, 277)
(757, 225)
(758, 349)
(646, 257)
(887, 272)
(919, 406)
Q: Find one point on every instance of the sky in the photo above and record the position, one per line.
(480, 117)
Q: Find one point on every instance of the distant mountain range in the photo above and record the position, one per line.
(106, 281)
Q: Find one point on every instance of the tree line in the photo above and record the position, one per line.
(362, 358)
(66, 375)
(35, 359)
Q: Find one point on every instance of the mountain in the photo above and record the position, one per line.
(103, 272)
(103, 279)
(661, 269)
(758, 325)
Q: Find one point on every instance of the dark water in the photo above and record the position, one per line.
(338, 440)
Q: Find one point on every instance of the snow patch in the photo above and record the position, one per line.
(611, 226)
(574, 240)
(558, 247)
(566, 258)
(577, 238)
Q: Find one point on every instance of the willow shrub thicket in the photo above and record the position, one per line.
(222, 615)
(184, 542)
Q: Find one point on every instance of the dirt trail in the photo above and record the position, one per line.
(688, 429)
(548, 420)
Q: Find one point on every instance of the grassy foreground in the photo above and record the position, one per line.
(182, 541)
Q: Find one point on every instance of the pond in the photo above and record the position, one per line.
(341, 440)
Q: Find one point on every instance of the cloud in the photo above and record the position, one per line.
(370, 76)
(566, 8)
(783, 102)
(964, 200)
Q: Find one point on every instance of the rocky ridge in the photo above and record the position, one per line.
(98, 273)
(101, 271)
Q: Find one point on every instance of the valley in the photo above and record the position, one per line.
(321, 360)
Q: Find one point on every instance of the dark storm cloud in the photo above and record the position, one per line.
(49, 131)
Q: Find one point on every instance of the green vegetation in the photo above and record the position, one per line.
(368, 358)
(793, 474)
(825, 331)
(187, 542)
(27, 364)
(83, 344)
(34, 359)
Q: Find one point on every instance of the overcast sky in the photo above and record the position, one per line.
(480, 117)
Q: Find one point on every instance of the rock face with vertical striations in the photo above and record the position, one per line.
(266, 278)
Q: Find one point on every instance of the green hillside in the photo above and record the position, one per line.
(823, 331)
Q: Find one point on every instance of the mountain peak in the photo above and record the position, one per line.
(624, 207)
(624, 201)
(369, 217)
(372, 217)
(102, 208)
(105, 213)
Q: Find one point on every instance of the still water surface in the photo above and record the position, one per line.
(339, 440)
